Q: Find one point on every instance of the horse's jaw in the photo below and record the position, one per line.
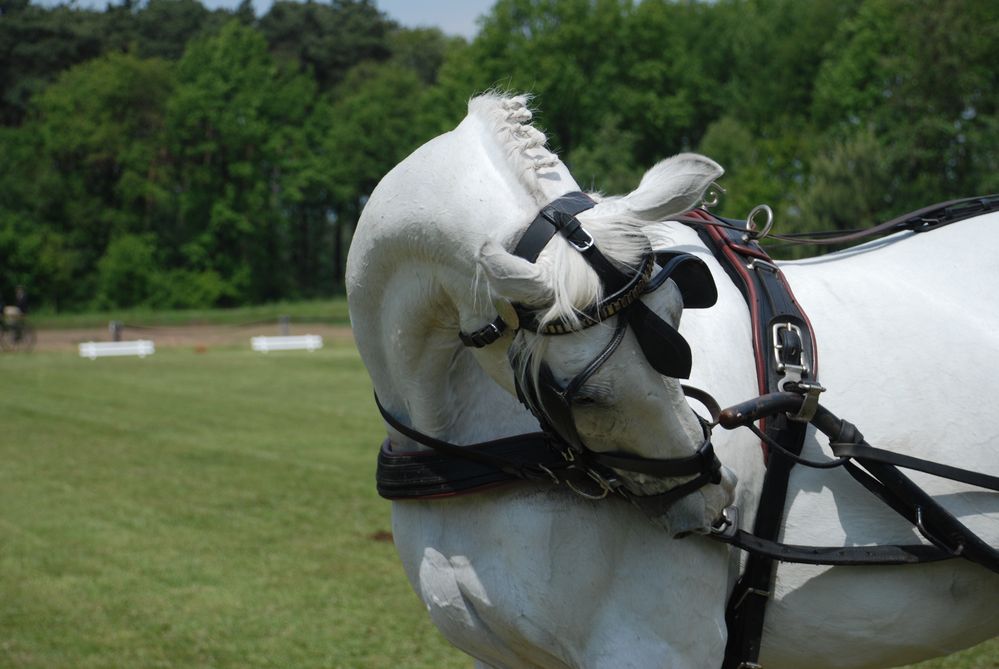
(697, 512)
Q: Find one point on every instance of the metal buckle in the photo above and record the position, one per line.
(586, 245)
(606, 486)
(550, 473)
(759, 263)
(956, 552)
(793, 373)
(480, 335)
(752, 591)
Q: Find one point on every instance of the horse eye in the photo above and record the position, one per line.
(584, 401)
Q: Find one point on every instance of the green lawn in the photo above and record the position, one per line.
(186, 510)
(316, 311)
(205, 510)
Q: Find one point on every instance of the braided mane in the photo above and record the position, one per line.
(574, 284)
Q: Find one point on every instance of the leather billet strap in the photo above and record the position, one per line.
(533, 443)
(837, 556)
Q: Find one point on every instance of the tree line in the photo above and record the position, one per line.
(167, 155)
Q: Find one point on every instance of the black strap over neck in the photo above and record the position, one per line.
(558, 217)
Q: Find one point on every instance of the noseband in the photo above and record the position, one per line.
(667, 351)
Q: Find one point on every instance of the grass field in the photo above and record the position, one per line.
(333, 310)
(186, 510)
(205, 510)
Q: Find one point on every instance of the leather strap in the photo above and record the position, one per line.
(867, 453)
(839, 556)
(920, 220)
(557, 217)
(491, 453)
(773, 308)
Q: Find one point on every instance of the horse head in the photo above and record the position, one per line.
(611, 392)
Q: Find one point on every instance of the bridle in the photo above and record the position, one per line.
(552, 402)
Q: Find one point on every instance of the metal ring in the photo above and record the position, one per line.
(751, 231)
(605, 488)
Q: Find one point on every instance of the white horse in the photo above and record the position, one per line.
(529, 575)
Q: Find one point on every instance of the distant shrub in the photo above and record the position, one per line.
(190, 289)
(126, 272)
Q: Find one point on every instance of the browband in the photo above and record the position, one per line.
(624, 297)
(559, 217)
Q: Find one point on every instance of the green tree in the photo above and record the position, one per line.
(921, 76)
(162, 28)
(422, 50)
(378, 116)
(87, 166)
(849, 185)
(234, 123)
(126, 272)
(560, 50)
(36, 45)
(327, 40)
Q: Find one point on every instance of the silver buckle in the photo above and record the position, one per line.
(586, 245)
(752, 591)
(793, 373)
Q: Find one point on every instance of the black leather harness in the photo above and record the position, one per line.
(786, 361)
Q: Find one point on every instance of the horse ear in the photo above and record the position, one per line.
(513, 278)
(672, 186)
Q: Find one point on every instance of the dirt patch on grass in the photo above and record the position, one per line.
(198, 337)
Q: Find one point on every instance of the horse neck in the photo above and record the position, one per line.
(412, 280)
(405, 315)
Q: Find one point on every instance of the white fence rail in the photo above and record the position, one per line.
(100, 349)
(287, 343)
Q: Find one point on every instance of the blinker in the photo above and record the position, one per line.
(665, 348)
(690, 274)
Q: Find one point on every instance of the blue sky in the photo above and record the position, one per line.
(454, 17)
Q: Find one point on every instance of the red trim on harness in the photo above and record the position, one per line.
(735, 254)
